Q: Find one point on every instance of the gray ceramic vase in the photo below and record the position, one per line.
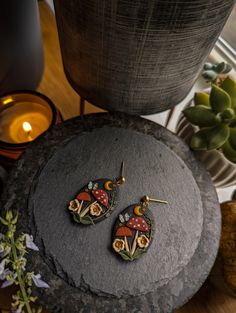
(140, 57)
(21, 53)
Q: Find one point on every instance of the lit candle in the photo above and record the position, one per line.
(27, 128)
(23, 117)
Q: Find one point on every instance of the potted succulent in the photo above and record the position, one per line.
(208, 124)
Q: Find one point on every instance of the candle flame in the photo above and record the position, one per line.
(27, 127)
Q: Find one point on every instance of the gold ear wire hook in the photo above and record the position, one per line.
(147, 199)
(121, 179)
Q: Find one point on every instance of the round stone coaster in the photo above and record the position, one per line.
(77, 261)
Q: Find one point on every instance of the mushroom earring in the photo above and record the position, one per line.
(133, 230)
(95, 201)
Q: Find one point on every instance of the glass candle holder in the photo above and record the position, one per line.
(24, 116)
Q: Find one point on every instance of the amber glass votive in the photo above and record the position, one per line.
(24, 116)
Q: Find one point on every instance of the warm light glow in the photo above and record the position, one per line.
(27, 127)
(8, 100)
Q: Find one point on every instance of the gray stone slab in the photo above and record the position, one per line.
(84, 274)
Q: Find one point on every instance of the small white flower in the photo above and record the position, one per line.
(118, 245)
(75, 206)
(38, 281)
(95, 209)
(2, 248)
(143, 241)
(19, 310)
(5, 273)
(2, 266)
(30, 243)
(7, 283)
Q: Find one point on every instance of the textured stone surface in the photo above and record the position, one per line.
(187, 230)
(139, 56)
(151, 168)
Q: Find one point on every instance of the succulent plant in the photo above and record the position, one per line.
(215, 72)
(215, 115)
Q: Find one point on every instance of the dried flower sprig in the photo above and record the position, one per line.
(13, 266)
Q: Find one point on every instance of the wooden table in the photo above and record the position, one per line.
(56, 87)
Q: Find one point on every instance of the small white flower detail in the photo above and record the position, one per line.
(7, 283)
(95, 209)
(2, 266)
(143, 241)
(75, 206)
(19, 310)
(118, 245)
(38, 281)
(30, 243)
(5, 273)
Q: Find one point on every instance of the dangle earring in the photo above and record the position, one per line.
(97, 200)
(133, 230)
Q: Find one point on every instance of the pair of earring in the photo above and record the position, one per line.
(134, 228)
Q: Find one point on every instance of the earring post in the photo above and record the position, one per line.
(159, 201)
(148, 199)
(122, 169)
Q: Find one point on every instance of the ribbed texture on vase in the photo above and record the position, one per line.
(140, 56)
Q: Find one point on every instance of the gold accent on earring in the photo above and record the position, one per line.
(121, 179)
(146, 199)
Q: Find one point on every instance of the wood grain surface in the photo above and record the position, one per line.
(55, 85)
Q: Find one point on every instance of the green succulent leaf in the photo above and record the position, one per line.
(226, 117)
(229, 152)
(227, 68)
(208, 66)
(219, 99)
(210, 138)
(202, 98)
(222, 68)
(200, 115)
(229, 86)
(209, 75)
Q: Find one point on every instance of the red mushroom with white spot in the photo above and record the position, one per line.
(101, 196)
(125, 232)
(138, 224)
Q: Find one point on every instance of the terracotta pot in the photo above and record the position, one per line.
(222, 171)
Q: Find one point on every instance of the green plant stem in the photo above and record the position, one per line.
(19, 276)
